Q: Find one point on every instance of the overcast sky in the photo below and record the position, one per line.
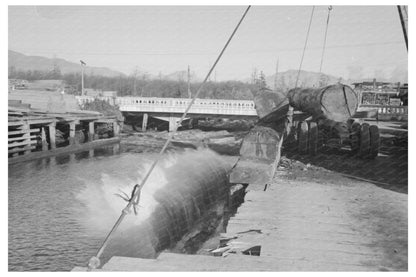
(363, 41)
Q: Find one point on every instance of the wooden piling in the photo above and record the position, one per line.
(144, 122)
(52, 135)
(172, 123)
(72, 133)
(44, 142)
(91, 131)
(116, 128)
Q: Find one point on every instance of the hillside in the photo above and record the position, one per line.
(23, 62)
(287, 79)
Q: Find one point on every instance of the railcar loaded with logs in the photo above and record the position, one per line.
(320, 118)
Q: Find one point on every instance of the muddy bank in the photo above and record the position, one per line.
(222, 142)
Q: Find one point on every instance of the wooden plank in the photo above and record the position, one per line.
(105, 120)
(35, 118)
(21, 121)
(15, 123)
(22, 143)
(15, 113)
(23, 132)
(21, 149)
(21, 138)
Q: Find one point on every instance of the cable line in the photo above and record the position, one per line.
(95, 261)
(326, 32)
(304, 47)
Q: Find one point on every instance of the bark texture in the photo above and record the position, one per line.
(335, 102)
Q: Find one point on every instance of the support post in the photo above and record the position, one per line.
(116, 128)
(91, 131)
(72, 133)
(44, 142)
(172, 123)
(26, 127)
(144, 122)
(52, 135)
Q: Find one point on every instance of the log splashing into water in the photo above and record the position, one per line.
(184, 190)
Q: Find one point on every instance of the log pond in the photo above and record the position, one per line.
(61, 208)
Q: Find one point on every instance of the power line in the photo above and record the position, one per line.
(150, 53)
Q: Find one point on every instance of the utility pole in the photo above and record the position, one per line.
(83, 64)
(136, 70)
(275, 76)
(189, 82)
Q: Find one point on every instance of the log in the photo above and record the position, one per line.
(271, 106)
(335, 102)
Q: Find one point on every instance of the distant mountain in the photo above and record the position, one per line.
(23, 62)
(287, 79)
(181, 75)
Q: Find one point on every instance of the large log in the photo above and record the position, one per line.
(335, 102)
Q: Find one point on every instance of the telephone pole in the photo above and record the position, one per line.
(83, 64)
(275, 75)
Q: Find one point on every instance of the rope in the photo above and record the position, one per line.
(326, 32)
(304, 47)
(95, 261)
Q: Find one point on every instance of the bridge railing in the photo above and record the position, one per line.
(178, 105)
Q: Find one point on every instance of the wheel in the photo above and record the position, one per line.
(313, 138)
(303, 137)
(374, 141)
(364, 151)
(355, 137)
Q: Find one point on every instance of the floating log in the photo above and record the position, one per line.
(335, 102)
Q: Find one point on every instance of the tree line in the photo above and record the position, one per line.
(144, 86)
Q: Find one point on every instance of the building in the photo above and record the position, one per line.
(380, 93)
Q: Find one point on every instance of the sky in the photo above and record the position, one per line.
(362, 41)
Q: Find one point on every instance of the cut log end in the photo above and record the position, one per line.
(335, 102)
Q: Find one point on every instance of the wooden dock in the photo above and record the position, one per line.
(34, 132)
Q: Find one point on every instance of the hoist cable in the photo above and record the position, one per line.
(304, 47)
(326, 32)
